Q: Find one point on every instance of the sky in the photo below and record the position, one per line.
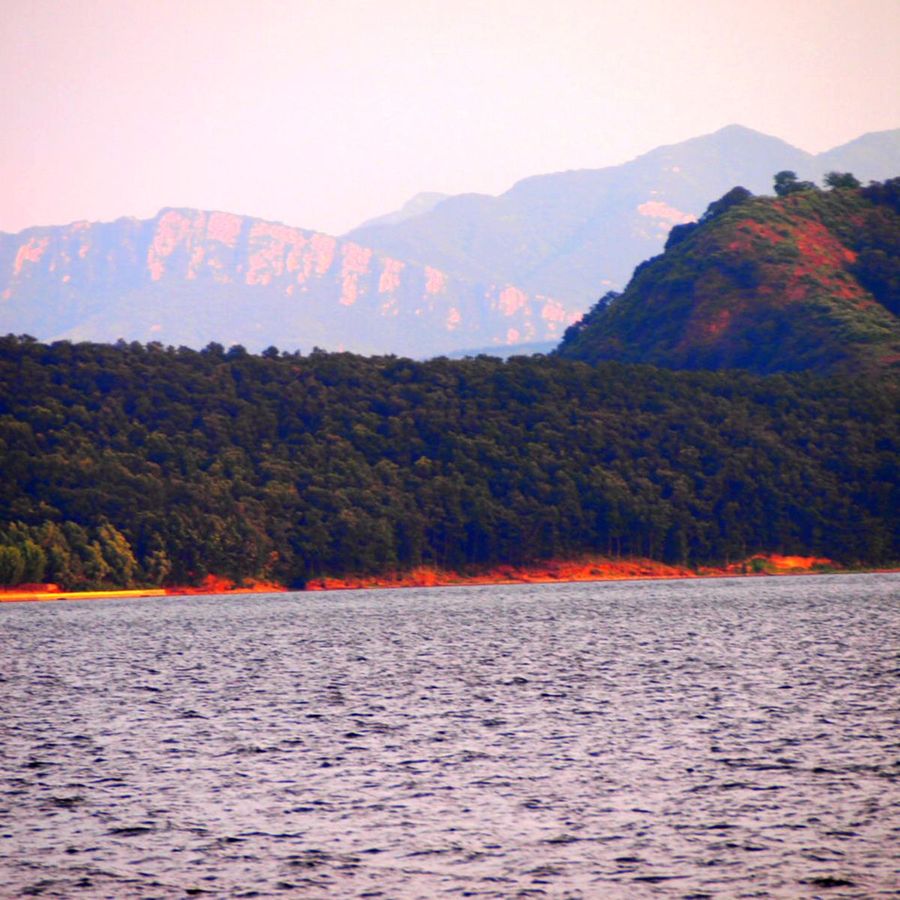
(323, 113)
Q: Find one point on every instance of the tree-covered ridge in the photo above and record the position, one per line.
(142, 464)
(806, 280)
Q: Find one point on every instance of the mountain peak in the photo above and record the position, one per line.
(734, 138)
(735, 128)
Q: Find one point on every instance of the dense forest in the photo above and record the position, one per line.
(132, 464)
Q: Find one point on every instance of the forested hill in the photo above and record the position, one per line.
(806, 280)
(127, 463)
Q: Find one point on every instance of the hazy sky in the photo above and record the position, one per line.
(321, 113)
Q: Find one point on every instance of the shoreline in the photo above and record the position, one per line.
(553, 572)
(15, 596)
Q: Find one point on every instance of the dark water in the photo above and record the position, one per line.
(726, 738)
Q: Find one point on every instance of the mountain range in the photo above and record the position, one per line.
(190, 277)
(576, 234)
(440, 276)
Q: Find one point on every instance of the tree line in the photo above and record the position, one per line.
(133, 464)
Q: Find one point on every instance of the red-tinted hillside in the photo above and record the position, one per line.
(804, 281)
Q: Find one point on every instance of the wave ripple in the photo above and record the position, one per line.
(721, 738)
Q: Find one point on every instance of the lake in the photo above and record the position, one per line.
(714, 738)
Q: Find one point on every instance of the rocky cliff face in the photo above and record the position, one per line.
(190, 277)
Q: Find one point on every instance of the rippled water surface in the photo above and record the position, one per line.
(722, 738)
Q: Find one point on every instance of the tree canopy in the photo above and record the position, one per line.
(131, 464)
(786, 182)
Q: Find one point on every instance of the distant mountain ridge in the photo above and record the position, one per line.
(191, 277)
(577, 234)
(805, 281)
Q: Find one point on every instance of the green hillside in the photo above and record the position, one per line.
(805, 281)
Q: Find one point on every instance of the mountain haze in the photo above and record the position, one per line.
(190, 277)
(577, 234)
(872, 156)
(416, 206)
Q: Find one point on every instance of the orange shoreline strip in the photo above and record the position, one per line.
(551, 572)
(588, 569)
(14, 596)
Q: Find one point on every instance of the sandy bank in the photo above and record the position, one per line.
(17, 596)
(212, 584)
